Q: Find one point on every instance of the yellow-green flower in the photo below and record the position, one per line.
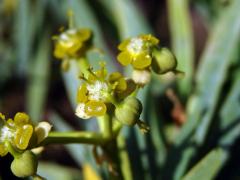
(72, 43)
(137, 51)
(17, 132)
(96, 91)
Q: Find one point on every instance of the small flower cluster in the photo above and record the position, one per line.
(137, 51)
(71, 44)
(97, 91)
(19, 133)
(143, 53)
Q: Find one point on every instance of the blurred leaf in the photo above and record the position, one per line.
(229, 112)
(54, 171)
(28, 19)
(128, 18)
(38, 77)
(215, 62)
(208, 167)
(23, 26)
(124, 158)
(6, 62)
(211, 74)
(156, 130)
(182, 41)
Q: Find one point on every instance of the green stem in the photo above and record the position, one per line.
(74, 137)
(105, 124)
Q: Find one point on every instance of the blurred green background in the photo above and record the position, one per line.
(194, 120)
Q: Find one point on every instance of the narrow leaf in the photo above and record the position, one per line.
(208, 167)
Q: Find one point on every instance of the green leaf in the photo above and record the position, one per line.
(23, 34)
(182, 41)
(28, 20)
(38, 77)
(208, 167)
(216, 60)
(55, 171)
(229, 114)
(212, 72)
(128, 18)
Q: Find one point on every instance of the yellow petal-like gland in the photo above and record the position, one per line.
(84, 34)
(125, 58)
(122, 46)
(23, 136)
(59, 51)
(82, 94)
(95, 108)
(118, 80)
(101, 74)
(142, 61)
(72, 51)
(21, 118)
(3, 150)
(150, 39)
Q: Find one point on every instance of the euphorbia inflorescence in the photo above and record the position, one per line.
(98, 90)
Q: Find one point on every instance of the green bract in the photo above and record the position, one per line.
(137, 51)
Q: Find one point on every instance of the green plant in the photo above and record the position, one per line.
(193, 121)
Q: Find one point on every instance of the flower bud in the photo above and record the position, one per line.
(25, 165)
(129, 111)
(163, 61)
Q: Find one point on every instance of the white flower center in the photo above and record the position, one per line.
(97, 91)
(135, 45)
(5, 133)
(80, 111)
